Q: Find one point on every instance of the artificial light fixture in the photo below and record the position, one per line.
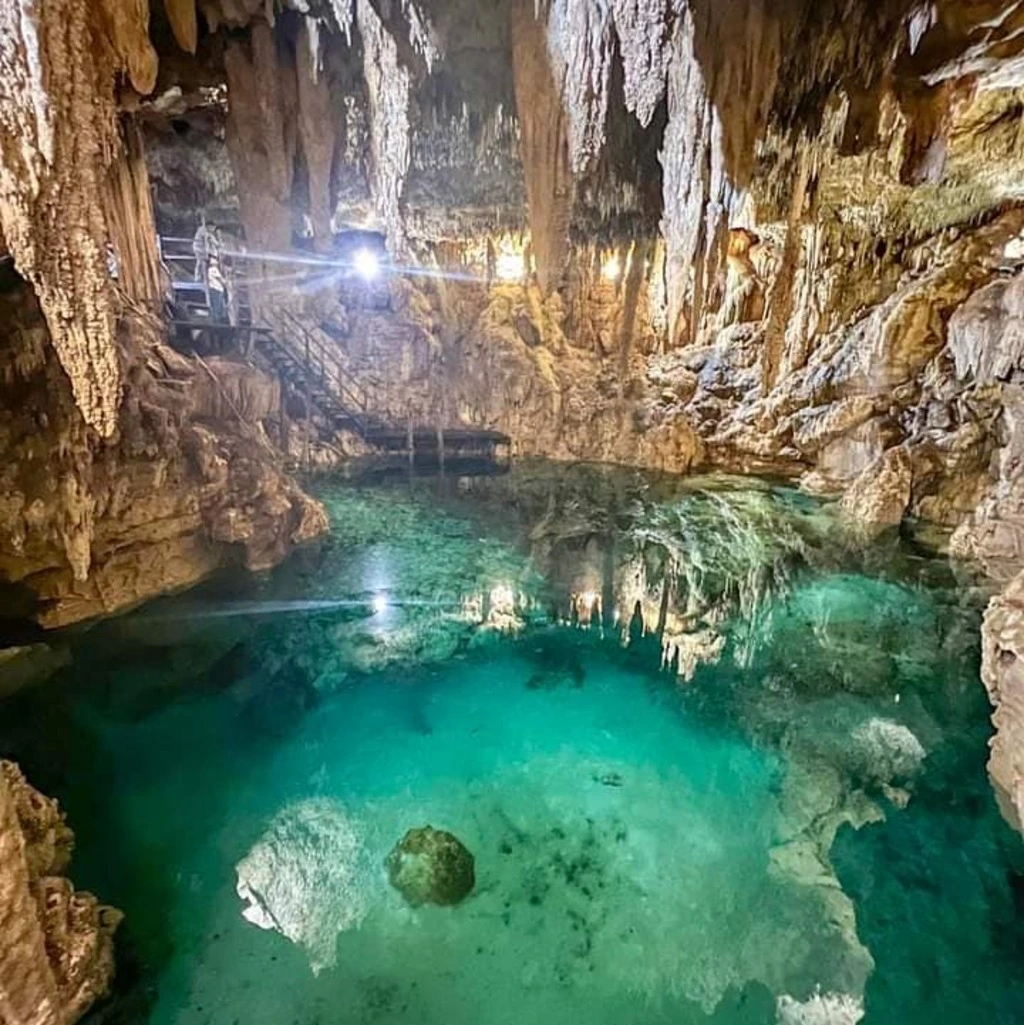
(366, 264)
(509, 266)
(612, 268)
(380, 604)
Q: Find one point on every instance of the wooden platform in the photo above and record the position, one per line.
(457, 441)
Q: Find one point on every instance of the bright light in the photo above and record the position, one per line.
(509, 266)
(611, 269)
(503, 598)
(380, 604)
(366, 264)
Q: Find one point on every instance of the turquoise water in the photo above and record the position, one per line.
(757, 797)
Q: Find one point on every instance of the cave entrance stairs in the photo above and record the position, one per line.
(308, 364)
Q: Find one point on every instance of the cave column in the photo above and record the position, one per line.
(316, 132)
(261, 137)
(544, 145)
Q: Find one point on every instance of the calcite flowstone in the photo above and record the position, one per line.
(431, 866)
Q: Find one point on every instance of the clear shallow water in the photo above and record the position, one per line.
(789, 821)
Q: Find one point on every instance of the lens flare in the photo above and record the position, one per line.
(366, 264)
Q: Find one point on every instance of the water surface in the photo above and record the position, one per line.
(715, 764)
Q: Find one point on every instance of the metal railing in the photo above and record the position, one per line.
(317, 361)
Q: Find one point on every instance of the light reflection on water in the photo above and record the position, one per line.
(710, 758)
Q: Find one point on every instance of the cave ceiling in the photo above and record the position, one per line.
(904, 104)
(566, 122)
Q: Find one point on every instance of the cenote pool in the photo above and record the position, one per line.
(714, 764)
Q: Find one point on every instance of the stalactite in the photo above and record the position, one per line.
(783, 298)
(644, 28)
(388, 85)
(722, 78)
(635, 275)
(125, 24)
(261, 137)
(420, 35)
(580, 35)
(130, 219)
(344, 15)
(686, 160)
(58, 134)
(184, 23)
(316, 132)
(543, 139)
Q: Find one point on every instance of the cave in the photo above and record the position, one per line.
(511, 511)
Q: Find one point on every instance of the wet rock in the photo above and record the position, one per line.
(1002, 669)
(301, 878)
(57, 954)
(431, 866)
(879, 497)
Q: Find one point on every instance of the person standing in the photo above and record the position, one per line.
(201, 249)
(217, 289)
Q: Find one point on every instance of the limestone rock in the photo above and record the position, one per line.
(189, 481)
(879, 497)
(302, 877)
(57, 955)
(1002, 669)
(431, 866)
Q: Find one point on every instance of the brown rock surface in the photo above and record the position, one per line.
(57, 954)
(188, 483)
(1002, 669)
(878, 498)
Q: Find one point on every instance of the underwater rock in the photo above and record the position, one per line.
(301, 878)
(431, 866)
(820, 1009)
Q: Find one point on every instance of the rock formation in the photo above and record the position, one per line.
(188, 482)
(764, 237)
(431, 866)
(57, 955)
(1002, 670)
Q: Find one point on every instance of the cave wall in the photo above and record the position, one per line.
(187, 483)
(57, 955)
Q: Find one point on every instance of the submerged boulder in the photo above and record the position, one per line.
(431, 866)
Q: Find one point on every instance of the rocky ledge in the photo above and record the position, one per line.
(57, 955)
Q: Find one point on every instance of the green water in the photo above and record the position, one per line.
(761, 799)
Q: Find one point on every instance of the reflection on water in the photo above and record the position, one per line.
(713, 764)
